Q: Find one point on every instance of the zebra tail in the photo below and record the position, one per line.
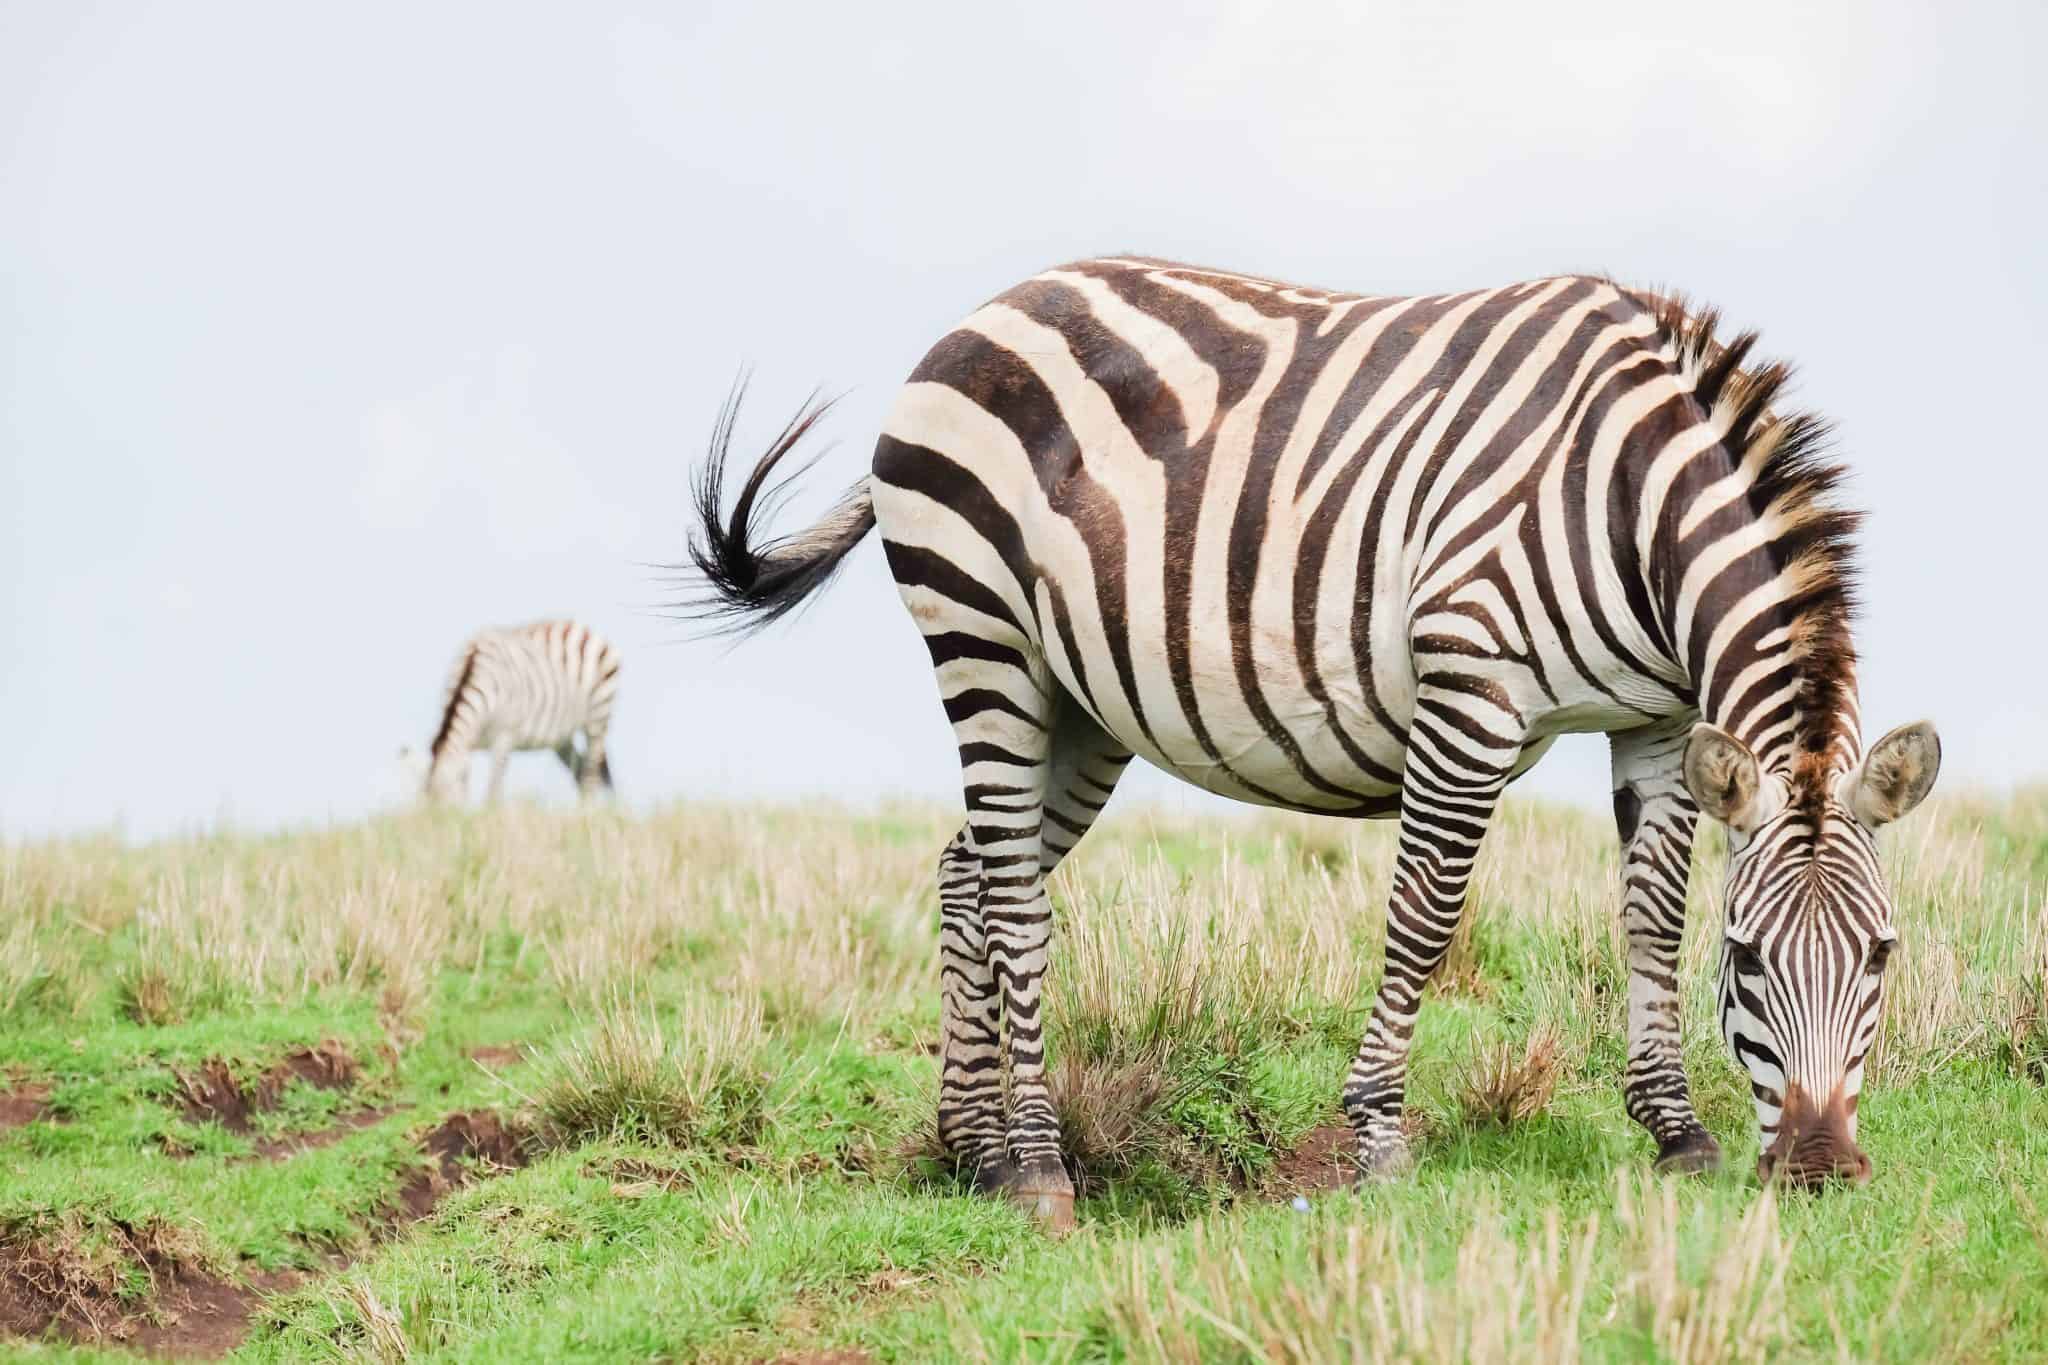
(745, 579)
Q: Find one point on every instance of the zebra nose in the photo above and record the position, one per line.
(1813, 1165)
(1814, 1145)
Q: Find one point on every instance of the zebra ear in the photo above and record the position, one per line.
(1896, 774)
(1723, 777)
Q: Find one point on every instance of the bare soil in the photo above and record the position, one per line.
(482, 1138)
(23, 1104)
(49, 1288)
(213, 1093)
(1326, 1159)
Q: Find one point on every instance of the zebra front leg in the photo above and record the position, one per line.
(501, 756)
(594, 765)
(971, 1125)
(1655, 817)
(1461, 749)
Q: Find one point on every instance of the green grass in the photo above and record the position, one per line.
(725, 1115)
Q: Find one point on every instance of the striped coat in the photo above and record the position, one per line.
(526, 687)
(1369, 556)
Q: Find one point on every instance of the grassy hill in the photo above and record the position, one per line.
(527, 1086)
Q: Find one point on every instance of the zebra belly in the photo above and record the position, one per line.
(1262, 742)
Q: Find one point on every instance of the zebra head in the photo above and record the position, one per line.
(431, 780)
(1808, 932)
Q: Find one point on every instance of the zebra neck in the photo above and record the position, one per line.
(1790, 698)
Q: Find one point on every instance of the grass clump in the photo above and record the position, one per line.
(1513, 1085)
(692, 1080)
(1353, 1291)
(1170, 1013)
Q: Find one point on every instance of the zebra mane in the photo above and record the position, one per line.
(1795, 484)
(455, 690)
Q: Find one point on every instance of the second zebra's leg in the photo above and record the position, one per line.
(501, 756)
(594, 768)
(566, 751)
(1655, 817)
(1462, 748)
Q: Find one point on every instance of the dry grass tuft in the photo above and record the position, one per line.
(1707, 1289)
(2025, 1047)
(693, 1080)
(1514, 1084)
(1718, 1295)
(1359, 1296)
(1109, 1115)
(147, 995)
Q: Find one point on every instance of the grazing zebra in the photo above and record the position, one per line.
(525, 687)
(1369, 556)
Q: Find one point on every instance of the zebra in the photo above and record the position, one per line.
(1369, 556)
(519, 688)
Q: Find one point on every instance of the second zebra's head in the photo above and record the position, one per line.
(1807, 933)
(431, 781)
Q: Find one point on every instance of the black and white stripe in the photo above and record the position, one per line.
(526, 687)
(1369, 556)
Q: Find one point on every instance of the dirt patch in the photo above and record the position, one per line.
(23, 1104)
(460, 1143)
(495, 1058)
(291, 1144)
(212, 1093)
(1326, 1159)
(60, 1278)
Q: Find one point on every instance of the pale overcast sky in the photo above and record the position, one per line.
(328, 333)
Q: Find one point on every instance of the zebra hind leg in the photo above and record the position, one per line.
(1460, 755)
(971, 1110)
(1084, 765)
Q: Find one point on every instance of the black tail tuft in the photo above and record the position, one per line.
(743, 582)
(604, 772)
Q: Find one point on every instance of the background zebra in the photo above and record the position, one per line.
(525, 687)
(1369, 556)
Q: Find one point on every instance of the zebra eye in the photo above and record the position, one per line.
(1880, 953)
(1744, 958)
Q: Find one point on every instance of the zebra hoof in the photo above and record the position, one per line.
(1381, 1162)
(1052, 1210)
(1693, 1154)
(995, 1175)
(1041, 1188)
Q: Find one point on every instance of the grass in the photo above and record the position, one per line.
(519, 1085)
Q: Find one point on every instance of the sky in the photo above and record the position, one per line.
(331, 333)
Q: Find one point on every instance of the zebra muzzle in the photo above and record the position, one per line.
(1814, 1144)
